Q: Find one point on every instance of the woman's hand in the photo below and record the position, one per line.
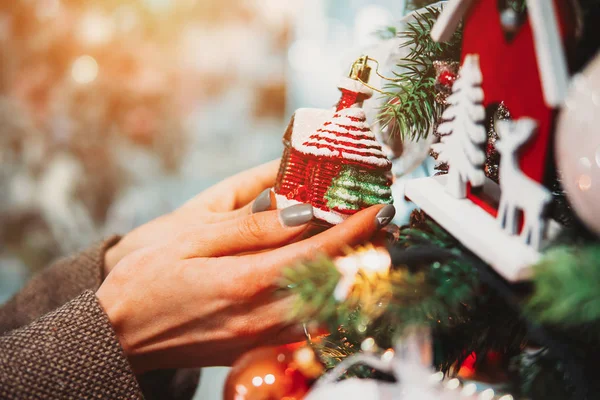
(227, 200)
(196, 288)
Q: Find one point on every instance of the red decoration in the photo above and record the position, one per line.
(272, 373)
(349, 98)
(447, 78)
(511, 74)
(319, 143)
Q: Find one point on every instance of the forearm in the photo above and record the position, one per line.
(55, 286)
(71, 352)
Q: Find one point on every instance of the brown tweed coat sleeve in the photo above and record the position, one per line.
(57, 343)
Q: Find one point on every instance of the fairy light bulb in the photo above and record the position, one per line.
(469, 390)
(452, 384)
(368, 345)
(388, 356)
(487, 394)
(306, 362)
(376, 261)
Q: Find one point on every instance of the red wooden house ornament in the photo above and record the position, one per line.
(525, 67)
(323, 145)
(527, 72)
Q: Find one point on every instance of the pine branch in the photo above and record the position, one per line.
(416, 4)
(411, 98)
(430, 292)
(567, 283)
(441, 291)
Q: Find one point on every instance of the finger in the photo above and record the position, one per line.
(274, 326)
(249, 233)
(355, 230)
(239, 190)
(265, 201)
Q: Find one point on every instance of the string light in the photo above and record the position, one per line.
(375, 261)
(453, 384)
(370, 261)
(469, 390)
(437, 377)
(487, 394)
(257, 381)
(388, 355)
(304, 356)
(84, 70)
(368, 345)
(269, 379)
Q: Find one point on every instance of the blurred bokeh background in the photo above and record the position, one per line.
(113, 112)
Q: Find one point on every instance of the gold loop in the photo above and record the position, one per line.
(378, 74)
(377, 71)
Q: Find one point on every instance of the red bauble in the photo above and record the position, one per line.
(269, 373)
(446, 78)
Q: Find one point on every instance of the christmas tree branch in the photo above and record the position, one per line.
(411, 97)
(567, 283)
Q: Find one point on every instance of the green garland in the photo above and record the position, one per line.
(411, 97)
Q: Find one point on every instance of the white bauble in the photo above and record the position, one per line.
(578, 145)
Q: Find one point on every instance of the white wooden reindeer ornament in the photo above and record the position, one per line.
(520, 192)
(463, 132)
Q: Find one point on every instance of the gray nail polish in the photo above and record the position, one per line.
(262, 202)
(385, 216)
(297, 215)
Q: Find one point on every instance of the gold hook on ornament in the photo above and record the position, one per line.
(361, 72)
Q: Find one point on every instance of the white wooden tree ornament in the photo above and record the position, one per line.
(519, 192)
(463, 131)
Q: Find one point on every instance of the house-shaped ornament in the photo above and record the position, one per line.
(332, 159)
(523, 64)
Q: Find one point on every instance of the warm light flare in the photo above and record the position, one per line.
(96, 29)
(84, 70)
(257, 381)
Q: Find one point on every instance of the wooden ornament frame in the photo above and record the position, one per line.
(529, 74)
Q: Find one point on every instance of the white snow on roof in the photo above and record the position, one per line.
(346, 135)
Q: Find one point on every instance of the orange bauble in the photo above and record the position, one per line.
(270, 373)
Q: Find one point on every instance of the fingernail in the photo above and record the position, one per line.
(262, 202)
(297, 215)
(385, 216)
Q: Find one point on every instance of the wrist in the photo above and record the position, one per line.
(117, 310)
